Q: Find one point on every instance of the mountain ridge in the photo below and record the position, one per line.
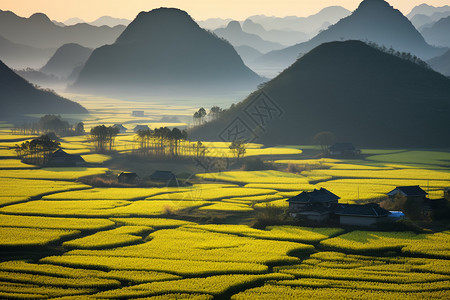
(336, 87)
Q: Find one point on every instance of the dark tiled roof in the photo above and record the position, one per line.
(61, 154)
(413, 190)
(162, 175)
(141, 127)
(120, 126)
(342, 147)
(128, 174)
(367, 210)
(321, 195)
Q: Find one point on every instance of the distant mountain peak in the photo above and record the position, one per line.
(40, 17)
(234, 26)
(160, 21)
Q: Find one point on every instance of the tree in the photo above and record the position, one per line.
(103, 137)
(38, 150)
(79, 128)
(237, 147)
(54, 123)
(324, 139)
(199, 116)
(215, 112)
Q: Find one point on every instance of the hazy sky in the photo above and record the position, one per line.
(90, 10)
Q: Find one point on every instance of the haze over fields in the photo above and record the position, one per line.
(165, 53)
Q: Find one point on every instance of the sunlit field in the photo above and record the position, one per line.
(60, 236)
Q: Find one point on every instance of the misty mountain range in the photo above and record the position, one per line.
(20, 97)
(426, 15)
(439, 33)
(237, 37)
(165, 51)
(102, 21)
(22, 56)
(66, 59)
(359, 93)
(39, 32)
(373, 20)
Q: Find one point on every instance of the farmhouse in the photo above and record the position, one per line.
(344, 149)
(361, 215)
(127, 177)
(414, 193)
(315, 206)
(164, 176)
(122, 129)
(141, 127)
(60, 158)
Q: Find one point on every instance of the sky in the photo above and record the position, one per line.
(89, 10)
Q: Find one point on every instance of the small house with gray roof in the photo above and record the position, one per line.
(413, 192)
(361, 215)
(315, 206)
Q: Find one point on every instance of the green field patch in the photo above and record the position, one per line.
(305, 271)
(173, 266)
(63, 173)
(6, 152)
(261, 198)
(437, 244)
(124, 235)
(420, 174)
(82, 282)
(20, 291)
(415, 157)
(282, 186)
(139, 276)
(99, 208)
(19, 236)
(282, 233)
(156, 223)
(56, 223)
(66, 208)
(201, 245)
(354, 192)
(272, 291)
(368, 285)
(215, 285)
(214, 194)
(13, 164)
(179, 296)
(246, 177)
(227, 207)
(277, 203)
(112, 193)
(13, 190)
(8, 136)
(49, 270)
(380, 263)
(96, 158)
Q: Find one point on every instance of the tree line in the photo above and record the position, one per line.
(200, 115)
(51, 123)
(37, 151)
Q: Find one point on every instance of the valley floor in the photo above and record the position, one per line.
(61, 238)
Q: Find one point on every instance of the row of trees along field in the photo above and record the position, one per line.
(166, 142)
(51, 123)
(37, 151)
(200, 115)
(103, 137)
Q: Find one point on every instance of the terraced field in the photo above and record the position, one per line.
(62, 238)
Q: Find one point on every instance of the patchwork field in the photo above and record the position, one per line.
(61, 238)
